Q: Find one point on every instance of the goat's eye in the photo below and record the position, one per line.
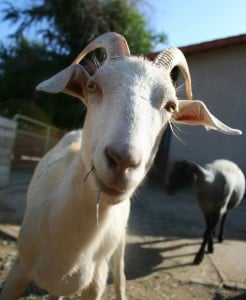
(170, 106)
(91, 86)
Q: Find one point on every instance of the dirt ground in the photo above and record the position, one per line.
(155, 285)
(164, 233)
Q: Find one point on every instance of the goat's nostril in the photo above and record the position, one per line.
(112, 157)
(124, 159)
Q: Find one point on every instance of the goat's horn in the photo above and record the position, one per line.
(114, 44)
(172, 57)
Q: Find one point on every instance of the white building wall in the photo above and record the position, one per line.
(218, 79)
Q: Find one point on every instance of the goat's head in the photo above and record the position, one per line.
(129, 103)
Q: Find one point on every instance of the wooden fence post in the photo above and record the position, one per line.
(7, 139)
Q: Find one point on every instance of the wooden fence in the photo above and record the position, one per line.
(33, 140)
(7, 138)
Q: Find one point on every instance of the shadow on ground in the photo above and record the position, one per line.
(144, 258)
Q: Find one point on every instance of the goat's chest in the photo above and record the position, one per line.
(60, 277)
(69, 265)
(64, 273)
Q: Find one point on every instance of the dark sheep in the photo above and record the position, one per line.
(219, 187)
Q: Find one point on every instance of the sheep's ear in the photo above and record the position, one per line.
(70, 81)
(196, 113)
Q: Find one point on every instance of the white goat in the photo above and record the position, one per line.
(219, 187)
(78, 200)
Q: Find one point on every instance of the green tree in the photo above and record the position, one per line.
(65, 27)
(22, 67)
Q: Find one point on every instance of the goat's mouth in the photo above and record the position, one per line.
(109, 190)
(113, 187)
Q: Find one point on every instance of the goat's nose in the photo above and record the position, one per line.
(122, 159)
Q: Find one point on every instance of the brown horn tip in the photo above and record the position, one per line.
(114, 43)
(172, 57)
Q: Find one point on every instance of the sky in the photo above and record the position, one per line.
(185, 22)
(188, 22)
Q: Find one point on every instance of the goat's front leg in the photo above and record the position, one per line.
(15, 283)
(118, 271)
(96, 288)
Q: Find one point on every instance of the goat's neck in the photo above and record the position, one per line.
(84, 205)
(77, 215)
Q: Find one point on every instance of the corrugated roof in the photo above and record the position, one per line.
(225, 42)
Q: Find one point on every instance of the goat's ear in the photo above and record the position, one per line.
(196, 113)
(70, 81)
